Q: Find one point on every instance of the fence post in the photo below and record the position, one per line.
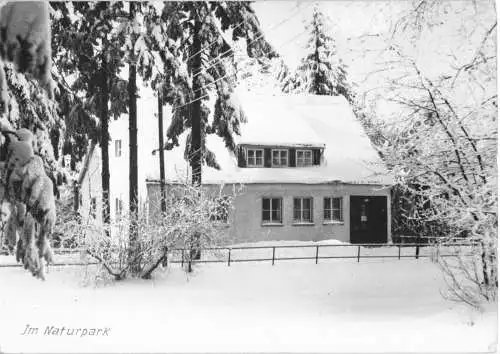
(274, 250)
(417, 251)
(182, 258)
(317, 251)
(190, 261)
(229, 258)
(399, 251)
(359, 251)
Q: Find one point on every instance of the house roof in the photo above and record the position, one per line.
(86, 162)
(310, 120)
(277, 120)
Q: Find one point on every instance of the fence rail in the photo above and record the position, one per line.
(362, 251)
(317, 257)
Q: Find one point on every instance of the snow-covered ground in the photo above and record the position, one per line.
(377, 305)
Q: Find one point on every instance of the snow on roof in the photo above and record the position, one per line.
(273, 120)
(325, 121)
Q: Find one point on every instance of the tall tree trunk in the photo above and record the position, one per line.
(76, 197)
(195, 153)
(132, 129)
(104, 116)
(161, 154)
(72, 161)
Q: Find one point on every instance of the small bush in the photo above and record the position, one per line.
(194, 219)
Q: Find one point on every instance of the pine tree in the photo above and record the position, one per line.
(132, 127)
(321, 71)
(26, 87)
(205, 70)
(25, 41)
(28, 106)
(86, 47)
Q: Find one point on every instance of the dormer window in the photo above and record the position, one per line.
(280, 157)
(304, 158)
(255, 158)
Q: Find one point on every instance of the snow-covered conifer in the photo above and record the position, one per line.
(321, 71)
(26, 39)
(90, 48)
(203, 83)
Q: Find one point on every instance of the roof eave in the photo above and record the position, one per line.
(293, 145)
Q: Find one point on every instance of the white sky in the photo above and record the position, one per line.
(452, 42)
(350, 19)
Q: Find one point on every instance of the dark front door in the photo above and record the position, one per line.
(368, 219)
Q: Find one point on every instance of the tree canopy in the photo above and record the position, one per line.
(322, 71)
(198, 75)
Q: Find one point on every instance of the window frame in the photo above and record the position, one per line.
(222, 210)
(93, 207)
(118, 207)
(331, 210)
(255, 157)
(302, 220)
(297, 164)
(272, 222)
(118, 147)
(280, 151)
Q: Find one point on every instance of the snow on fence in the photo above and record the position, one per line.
(275, 253)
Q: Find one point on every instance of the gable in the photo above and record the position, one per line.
(86, 163)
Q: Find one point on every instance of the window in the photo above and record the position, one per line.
(272, 210)
(333, 209)
(255, 157)
(118, 207)
(222, 207)
(280, 157)
(304, 158)
(303, 210)
(118, 148)
(93, 207)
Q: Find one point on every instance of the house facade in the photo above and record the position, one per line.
(293, 211)
(90, 178)
(304, 170)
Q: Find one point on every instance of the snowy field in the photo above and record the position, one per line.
(377, 305)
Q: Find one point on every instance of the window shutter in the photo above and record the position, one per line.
(242, 158)
(291, 154)
(267, 157)
(316, 157)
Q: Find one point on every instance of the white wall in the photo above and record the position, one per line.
(147, 125)
(245, 221)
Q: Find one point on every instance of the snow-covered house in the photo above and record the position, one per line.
(89, 180)
(307, 170)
